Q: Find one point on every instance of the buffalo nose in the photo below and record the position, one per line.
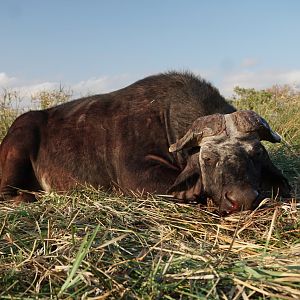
(230, 204)
(236, 199)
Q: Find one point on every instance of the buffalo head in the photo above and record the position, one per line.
(227, 162)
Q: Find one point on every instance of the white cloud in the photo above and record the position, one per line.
(99, 85)
(24, 88)
(27, 89)
(251, 74)
(292, 77)
(5, 80)
(249, 62)
(224, 81)
(32, 89)
(258, 79)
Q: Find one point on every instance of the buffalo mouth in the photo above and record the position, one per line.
(227, 206)
(235, 199)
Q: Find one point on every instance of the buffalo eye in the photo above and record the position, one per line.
(256, 152)
(209, 158)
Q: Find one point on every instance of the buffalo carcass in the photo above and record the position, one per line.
(168, 133)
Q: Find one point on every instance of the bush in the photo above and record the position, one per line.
(46, 99)
(280, 106)
(12, 104)
(9, 109)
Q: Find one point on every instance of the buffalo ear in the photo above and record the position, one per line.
(273, 180)
(187, 186)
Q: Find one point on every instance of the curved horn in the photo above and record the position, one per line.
(249, 121)
(204, 126)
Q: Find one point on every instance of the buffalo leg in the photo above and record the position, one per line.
(17, 173)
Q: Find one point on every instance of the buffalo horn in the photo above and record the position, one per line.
(249, 121)
(202, 127)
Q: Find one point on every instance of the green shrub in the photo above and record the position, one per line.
(9, 109)
(12, 104)
(45, 99)
(280, 106)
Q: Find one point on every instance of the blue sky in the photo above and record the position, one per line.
(98, 46)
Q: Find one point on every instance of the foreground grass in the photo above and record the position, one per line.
(92, 245)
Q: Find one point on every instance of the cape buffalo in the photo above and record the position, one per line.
(170, 132)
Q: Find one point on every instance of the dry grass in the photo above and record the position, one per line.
(92, 245)
(9, 109)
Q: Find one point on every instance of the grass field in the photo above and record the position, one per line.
(93, 245)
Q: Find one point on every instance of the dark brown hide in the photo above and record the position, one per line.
(187, 185)
(117, 139)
